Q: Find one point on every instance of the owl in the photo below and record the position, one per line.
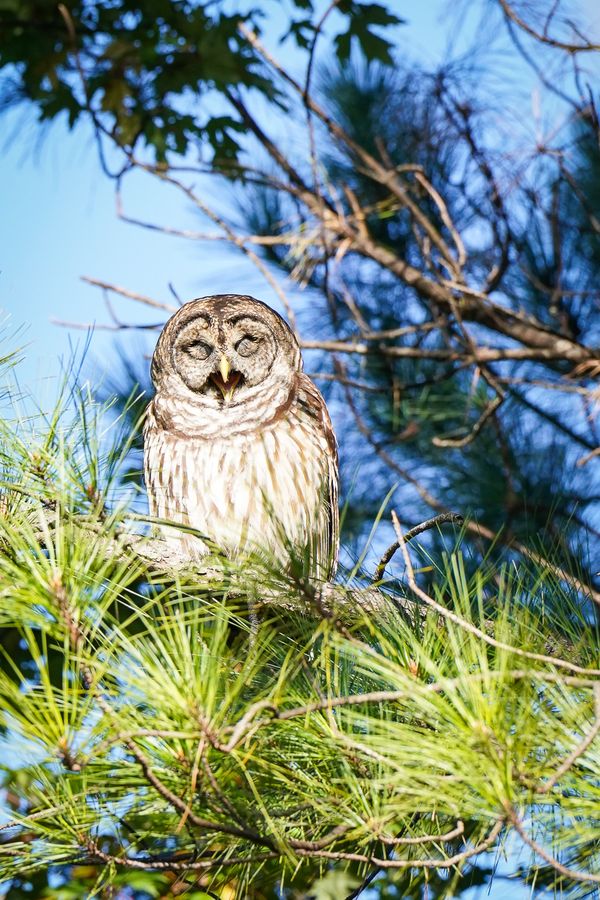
(238, 444)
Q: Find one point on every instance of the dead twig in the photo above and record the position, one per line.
(131, 295)
(543, 37)
(547, 857)
(434, 522)
(425, 838)
(394, 863)
(485, 416)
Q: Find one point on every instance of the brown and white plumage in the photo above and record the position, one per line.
(238, 444)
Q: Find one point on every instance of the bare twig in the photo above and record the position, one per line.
(425, 838)
(485, 416)
(543, 37)
(395, 863)
(547, 857)
(584, 460)
(388, 178)
(446, 685)
(445, 216)
(234, 239)
(312, 851)
(175, 863)
(435, 522)
(481, 309)
(131, 295)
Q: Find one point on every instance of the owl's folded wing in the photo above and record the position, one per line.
(327, 537)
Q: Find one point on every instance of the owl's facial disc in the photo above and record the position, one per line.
(228, 351)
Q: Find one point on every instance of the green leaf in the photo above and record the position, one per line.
(343, 44)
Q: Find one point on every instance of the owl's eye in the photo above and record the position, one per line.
(198, 349)
(247, 345)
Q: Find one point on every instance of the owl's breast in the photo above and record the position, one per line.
(262, 490)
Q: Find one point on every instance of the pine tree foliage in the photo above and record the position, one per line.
(230, 732)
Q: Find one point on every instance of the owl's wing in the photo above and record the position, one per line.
(327, 537)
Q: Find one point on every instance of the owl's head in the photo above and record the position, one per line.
(226, 350)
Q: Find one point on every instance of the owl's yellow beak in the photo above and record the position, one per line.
(224, 368)
(228, 380)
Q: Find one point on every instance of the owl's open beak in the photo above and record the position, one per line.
(225, 379)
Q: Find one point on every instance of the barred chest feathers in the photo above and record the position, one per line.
(264, 489)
